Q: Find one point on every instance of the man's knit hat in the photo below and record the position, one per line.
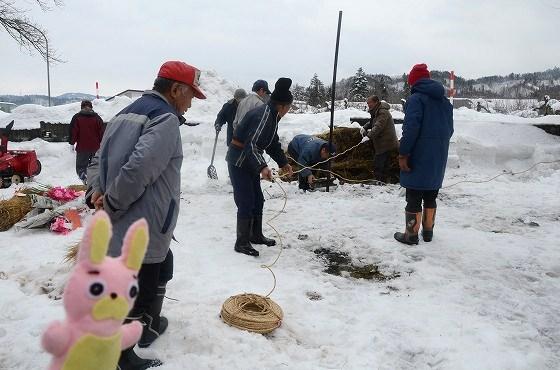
(418, 72)
(282, 93)
(239, 94)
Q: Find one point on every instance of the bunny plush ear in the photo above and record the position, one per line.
(135, 244)
(96, 239)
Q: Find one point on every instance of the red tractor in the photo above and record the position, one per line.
(15, 165)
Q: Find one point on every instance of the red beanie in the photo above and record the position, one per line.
(417, 72)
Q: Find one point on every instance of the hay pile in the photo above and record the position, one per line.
(13, 210)
(357, 164)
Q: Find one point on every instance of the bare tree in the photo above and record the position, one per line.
(27, 33)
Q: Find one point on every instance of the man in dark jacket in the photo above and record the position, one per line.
(381, 131)
(427, 129)
(307, 151)
(256, 133)
(227, 114)
(86, 132)
(137, 173)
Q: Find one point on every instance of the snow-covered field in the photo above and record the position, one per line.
(485, 294)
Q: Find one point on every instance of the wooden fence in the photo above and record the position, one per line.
(53, 132)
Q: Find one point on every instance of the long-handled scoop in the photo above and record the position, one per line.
(211, 171)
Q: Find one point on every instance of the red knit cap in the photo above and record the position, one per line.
(417, 72)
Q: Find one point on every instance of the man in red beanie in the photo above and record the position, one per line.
(427, 129)
(137, 173)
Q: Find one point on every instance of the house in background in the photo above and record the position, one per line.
(132, 94)
(7, 107)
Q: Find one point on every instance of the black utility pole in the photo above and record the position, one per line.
(333, 91)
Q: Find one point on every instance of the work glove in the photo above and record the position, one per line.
(363, 131)
(218, 127)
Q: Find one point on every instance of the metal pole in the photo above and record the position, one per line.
(48, 71)
(333, 90)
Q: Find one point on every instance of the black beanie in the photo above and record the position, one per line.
(281, 93)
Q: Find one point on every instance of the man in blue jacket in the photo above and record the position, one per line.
(255, 134)
(427, 129)
(227, 114)
(307, 151)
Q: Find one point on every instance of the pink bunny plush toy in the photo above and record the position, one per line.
(97, 298)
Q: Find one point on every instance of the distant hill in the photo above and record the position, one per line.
(513, 86)
(44, 100)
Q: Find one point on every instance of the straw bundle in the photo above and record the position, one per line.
(72, 254)
(13, 210)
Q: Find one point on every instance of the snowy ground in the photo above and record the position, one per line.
(485, 294)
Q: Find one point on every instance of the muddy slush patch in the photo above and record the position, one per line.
(340, 264)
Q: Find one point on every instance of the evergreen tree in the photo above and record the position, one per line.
(359, 89)
(328, 93)
(299, 92)
(316, 92)
(406, 86)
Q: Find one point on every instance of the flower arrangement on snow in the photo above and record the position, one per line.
(50, 206)
(99, 294)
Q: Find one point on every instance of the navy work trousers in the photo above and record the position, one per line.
(247, 192)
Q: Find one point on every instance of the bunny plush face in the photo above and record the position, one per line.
(103, 289)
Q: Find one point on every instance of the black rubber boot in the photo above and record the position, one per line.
(428, 221)
(154, 324)
(129, 360)
(410, 235)
(242, 244)
(257, 236)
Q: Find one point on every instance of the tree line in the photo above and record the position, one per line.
(393, 89)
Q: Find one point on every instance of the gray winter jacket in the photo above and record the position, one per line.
(248, 103)
(138, 169)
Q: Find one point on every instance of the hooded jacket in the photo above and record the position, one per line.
(86, 131)
(427, 129)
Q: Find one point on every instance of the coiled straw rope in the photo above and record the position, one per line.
(252, 312)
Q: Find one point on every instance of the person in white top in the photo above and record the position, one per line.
(259, 96)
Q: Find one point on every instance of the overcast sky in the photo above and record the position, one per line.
(122, 43)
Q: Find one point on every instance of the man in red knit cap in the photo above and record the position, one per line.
(427, 129)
